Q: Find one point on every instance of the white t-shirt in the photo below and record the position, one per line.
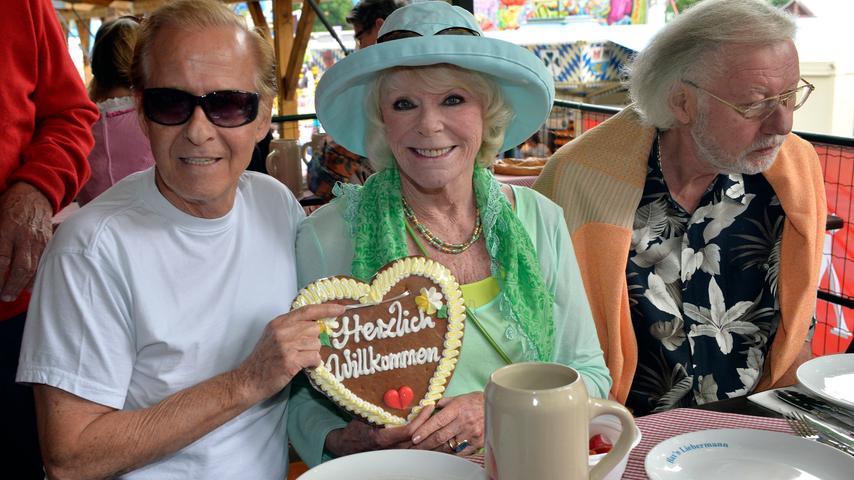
(136, 300)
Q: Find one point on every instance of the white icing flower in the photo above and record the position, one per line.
(429, 301)
(328, 325)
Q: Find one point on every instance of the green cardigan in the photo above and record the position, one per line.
(324, 248)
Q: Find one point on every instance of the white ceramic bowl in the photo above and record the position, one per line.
(609, 426)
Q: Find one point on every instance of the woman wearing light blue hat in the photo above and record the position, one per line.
(431, 105)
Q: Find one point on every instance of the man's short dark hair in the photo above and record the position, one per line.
(367, 12)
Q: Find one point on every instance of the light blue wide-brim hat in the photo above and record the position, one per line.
(524, 80)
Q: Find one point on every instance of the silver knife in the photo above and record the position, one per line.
(807, 407)
(823, 405)
(832, 434)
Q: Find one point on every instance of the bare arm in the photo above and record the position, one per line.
(82, 439)
(790, 377)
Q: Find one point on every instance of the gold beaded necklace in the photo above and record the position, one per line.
(439, 244)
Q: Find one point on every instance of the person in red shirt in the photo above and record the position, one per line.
(46, 119)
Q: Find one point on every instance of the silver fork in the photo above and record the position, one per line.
(804, 430)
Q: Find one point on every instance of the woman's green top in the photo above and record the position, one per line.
(324, 248)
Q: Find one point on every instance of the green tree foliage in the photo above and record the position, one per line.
(683, 4)
(335, 12)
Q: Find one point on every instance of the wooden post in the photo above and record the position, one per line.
(295, 61)
(83, 25)
(290, 51)
(283, 29)
(63, 23)
(258, 18)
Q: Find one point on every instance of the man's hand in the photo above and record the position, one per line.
(359, 436)
(289, 344)
(80, 438)
(25, 228)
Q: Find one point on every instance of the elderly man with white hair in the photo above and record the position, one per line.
(160, 342)
(696, 214)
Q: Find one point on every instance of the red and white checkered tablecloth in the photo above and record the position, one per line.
(660, 426)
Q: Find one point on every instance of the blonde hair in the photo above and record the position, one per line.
(690, 46)
(197, 15)
(496, 114)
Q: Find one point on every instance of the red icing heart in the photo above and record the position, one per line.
(400, 398)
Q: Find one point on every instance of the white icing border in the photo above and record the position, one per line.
(339, 288)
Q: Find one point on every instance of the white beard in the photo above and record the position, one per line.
(711, 154)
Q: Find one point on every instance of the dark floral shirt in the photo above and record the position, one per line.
(334, 164)
(703, 290)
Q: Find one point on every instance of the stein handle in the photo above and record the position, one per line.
(302, 150)
(271, 164)
(598, 406)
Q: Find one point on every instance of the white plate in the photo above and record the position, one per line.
(397, 465)
(830, 377)
(735, 454)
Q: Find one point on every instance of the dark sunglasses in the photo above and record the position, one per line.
(224, 108)
(398, 34)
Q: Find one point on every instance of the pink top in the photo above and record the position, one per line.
(120, 147)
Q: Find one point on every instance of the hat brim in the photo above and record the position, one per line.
(525, 82)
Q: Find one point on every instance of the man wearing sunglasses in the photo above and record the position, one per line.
(697, 216)
(159, 345)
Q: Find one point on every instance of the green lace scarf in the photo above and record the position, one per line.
(374, 216)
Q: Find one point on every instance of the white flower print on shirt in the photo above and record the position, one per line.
(717, 321)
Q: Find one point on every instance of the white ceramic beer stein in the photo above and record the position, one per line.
(311, 148)
(537, 420)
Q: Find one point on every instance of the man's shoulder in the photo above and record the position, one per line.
(614, 151)
(256, 184)
(268, 200)
(623, 136)
(83, 228)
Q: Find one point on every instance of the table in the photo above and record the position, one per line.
(731, 413)
(740, 405)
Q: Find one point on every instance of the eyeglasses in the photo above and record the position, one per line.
(792, 100)
(224, 108)
(357, 35)
(398, 34)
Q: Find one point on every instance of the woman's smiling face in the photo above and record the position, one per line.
(434, 133)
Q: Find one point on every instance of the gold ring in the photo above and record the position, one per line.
(453, 444)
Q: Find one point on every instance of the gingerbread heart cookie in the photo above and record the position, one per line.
(393, 352)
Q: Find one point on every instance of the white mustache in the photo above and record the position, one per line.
(773, 141)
